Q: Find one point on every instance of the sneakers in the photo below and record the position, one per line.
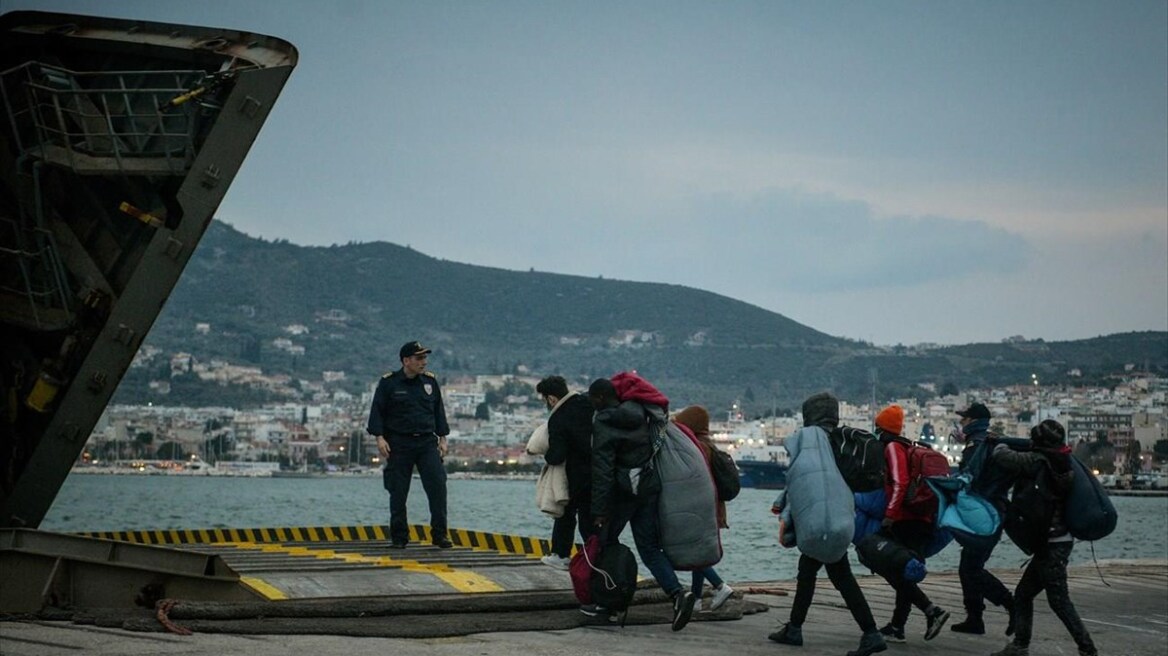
(788, 635)
(556, 562)
(1012, 650)
(892, 633)
(936, 620)
(720, 596)
(870, 643)
(973, 625)
(444, 543)
(683, 604)
(594, 610)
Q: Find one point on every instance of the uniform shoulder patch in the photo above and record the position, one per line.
(430, 374)
(388, 375)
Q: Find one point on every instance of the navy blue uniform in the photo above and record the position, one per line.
(404, 406)
(410, 415)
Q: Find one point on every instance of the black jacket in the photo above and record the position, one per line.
(570, 444)
(989, 481)
(621, 439)
(405, 406)
(1022, 467)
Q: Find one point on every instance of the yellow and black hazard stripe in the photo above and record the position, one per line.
(470, 539)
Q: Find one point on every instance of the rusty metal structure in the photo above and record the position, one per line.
(118, 141)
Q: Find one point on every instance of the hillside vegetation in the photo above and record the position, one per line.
(359, 302)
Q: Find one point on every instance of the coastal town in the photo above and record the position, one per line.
(1121, 428)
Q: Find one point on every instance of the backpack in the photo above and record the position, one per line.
(923, 462)
(1092, 515)
(725, 474)
(859, 456)
(614, 577)
(1031, 510)
(580, 569)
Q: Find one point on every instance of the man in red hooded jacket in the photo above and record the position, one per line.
(910, 526)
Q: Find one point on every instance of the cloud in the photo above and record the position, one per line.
(816, 242)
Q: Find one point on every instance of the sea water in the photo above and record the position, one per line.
(94, 502)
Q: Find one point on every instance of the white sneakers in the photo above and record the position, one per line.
(555, 562)
(720, 596)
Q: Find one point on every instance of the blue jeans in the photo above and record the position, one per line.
(642, 514)
(700, 576)
(404, 454)
(978, 585)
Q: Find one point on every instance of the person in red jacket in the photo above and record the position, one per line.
(911, 527)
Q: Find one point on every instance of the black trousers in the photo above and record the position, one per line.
(1048, 571)
(978, 585)
(578, 513)
(840, 573)
(915, 535)
(406, 453)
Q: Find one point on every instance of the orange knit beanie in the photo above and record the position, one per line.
(891, 419)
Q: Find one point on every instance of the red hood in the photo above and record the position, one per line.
(631, 387)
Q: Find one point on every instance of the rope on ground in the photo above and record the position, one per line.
(765, 590)
(161, 609)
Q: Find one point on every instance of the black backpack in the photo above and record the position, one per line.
(725, 475)
(614, 577)
(1031, 510)
(860, 458)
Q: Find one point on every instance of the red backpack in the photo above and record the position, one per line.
(580, 569)
(923, 462)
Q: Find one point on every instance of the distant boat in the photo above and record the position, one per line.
(762, 475)
(762, 463)
(290, 473)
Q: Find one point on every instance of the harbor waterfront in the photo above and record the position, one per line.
(113, 502)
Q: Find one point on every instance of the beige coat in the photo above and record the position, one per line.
(551, 490)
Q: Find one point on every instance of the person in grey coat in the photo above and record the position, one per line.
(821, 507)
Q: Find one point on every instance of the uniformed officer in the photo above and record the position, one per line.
(409, 421)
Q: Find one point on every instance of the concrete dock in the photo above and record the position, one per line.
(1125, 605)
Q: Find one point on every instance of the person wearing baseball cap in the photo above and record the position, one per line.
(409, 420)
(988, 481)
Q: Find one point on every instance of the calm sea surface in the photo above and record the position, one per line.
(129, 502)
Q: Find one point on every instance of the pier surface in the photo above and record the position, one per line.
(1127, 615)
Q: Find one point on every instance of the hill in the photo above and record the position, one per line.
(359, 302)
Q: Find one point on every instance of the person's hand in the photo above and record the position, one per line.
(382, 447)
(886, 523)
(442, 447)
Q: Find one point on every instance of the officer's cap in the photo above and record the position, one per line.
(412, 348)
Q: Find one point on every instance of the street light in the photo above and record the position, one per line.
(1037, 398)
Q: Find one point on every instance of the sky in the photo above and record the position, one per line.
(894, 172)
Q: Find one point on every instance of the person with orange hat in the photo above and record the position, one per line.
(910, 526)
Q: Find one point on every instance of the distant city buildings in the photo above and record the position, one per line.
(318, 418)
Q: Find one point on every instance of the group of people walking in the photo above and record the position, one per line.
(993, 470)
(606, 441)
